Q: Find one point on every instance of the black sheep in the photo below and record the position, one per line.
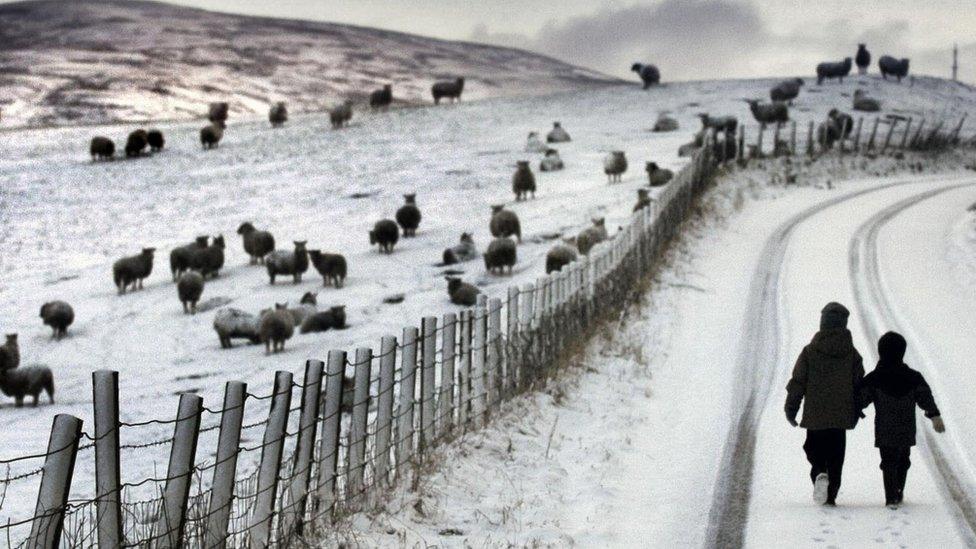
(136, 144)
(217, 114)
(523, 181)
(101, 148)
(769, 113)
(58, 315)
(648, 74)
(381, 98)
(862, 59)
(180, 259)
(504, 223)
(132, 270)
(189, 289)
(332, 267)
(278, 114)
(449, 89)
(837, 70)
(211, 135)
(288, 263)
(643, 199)
(462, 293)
(156, 140)
(257, 244)
(895, 67)
(408, 216)
(385, 233)
(501, 254)
(332, 319)
(209, 260)
(559, 256)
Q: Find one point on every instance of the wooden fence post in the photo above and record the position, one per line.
(445, 400)
(918, 133)
(172, 518)
(52, 496)
(329, 446)
(495, 358)
(857, 134)
(810, 150)
(293, 514)
(776, 140)
(269, 470)
(464, 372)
(384, 409)
(108, 504)
(356, 463)
(527, 311)
(408, 388)
(478, 389)
(428, 382)
(739, 150)
(891, 130)
(225, 469)
(793, 138)
(759, 142)
(904, 137)
(512, 328)
(874, 132)
(955, 133)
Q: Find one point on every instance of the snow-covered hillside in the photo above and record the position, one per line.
(111, 60)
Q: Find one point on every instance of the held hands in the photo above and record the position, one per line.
(938, 425)
(791, 419)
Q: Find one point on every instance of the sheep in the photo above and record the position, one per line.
(333, 319)
(408, 216)
(276, 327)
(462, 293)
(501, 253)
(189, 289)
(523, 181)
(217, 114)
(862, 59)
(558, 257)
(551, 161)
(864, 103)
(843, 121)
(717, 123)
(769, 113)
(211, 135)
(381, 98)
(283, 262)
(533, 144)
(665, 123)
(895, 67)
(725, 148)
(341, 115)
(230, 323)
(257, 244)
(465, 250)
(10, 353)
(504, 223)
(591, 236)
(136, 144)
(787, 90)
(643, 199)
(307, 307)
(838, 70)
(278, 114)
(101, 148)
(648, 74)
(29, 380)
(657, 176)
(181, 257)
(132, 270)
(827, 133)
(557, 134)
(696, 143)
(156, 140)
(210, 259)
(58, 315)
(614, 165)
(386, 233)
(448, 89)
(332, 267)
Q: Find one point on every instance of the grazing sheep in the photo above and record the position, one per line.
(895, 67)
(276, 327)
(211, 135)
(864, 103)
(381, 98)
(10, 353)
(614, 165)
(101, 148)
(283, 262)
(132, 270)
(533, 144)
(156, 140)
(448, 89)
(408, 216)
(307, 307)
(29, 380)
(716, 123)
(862, 59)
(136, 144)
(190, 288)
(558, 257)
(838, 70)
(180, 259)
(333, 319)
(332, 267)
(257, 244)
(58, 315)
(643, 199)
(465, 250)
(523, 181)
(341, 115)
(504, 223)
(501, 253)
(278, 114)
(827, 133)
(210, 259)
(386, 233)
(217, 114)
(648, 74)
(557, 134)
(591, 236)
(786, 91)
(462, 293)
(657, 176)
(769, 113)
(843, 121)
(551, 161)
(230, 323)
(665, 123)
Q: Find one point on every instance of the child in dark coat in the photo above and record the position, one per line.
(895, 390)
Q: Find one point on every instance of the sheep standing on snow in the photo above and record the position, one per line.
(449, 89)
(501, 254)
(386, 233)
(843, 121)
(156, 140)
(895, 67)
(643, 199)
(558, 257)
(648, 74)
(10, 353)
(29, 380)
(656, 175)
(132, 270)
(614, 165)
(786, 91)
(408, 216)
(278, 114)
(307, 307)
(58, 315)
(341, 115)
(332, 319)
(465, 250)
(504, 223)
(523, 181)
(189, 289)
(257, 244)
(282, 262)
(217, 113)
(533, 144)
(381, 98)
(591, 236)
(864, 103)
(210, 259)
(862, 59)
(769, 113)
(276, 327)
(717, 123)
(557, 134)
(462, 293)
(230, 323)
(101, 148)
(665, 123)
(211, 135)
(838, 70)
(332, 267)
(180, 258)
(136, 144)
(551, 161)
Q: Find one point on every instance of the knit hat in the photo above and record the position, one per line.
(891, 349)
(834, 315)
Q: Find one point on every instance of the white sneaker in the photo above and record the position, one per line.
(820, 489)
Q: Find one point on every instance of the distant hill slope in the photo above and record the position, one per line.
(111, 61)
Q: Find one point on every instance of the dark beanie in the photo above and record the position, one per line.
(834, 315)
(891, 348)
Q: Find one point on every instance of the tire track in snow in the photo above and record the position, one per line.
(958, 488)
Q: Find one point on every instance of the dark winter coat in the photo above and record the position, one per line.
(825, 377)
(895, 390)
